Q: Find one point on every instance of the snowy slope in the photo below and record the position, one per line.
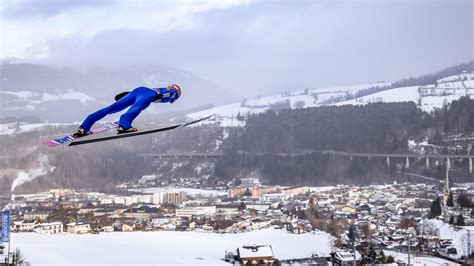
(16, 128)
(404, 94)
(227, 114)
(459, 236)
(161, 248)
(428, 98)
(38, 97)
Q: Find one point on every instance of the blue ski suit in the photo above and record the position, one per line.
(139, 99)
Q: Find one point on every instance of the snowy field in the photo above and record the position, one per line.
(189, 191)
(419, 260)
(16, 128)
(161, 248)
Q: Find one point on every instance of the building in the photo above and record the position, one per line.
(237, 192)
(50, 228)
(258, 206)
(176, 198)
(295, 191)
(128, 227)
(345, 258)
(159, 198)
(195, 211)
(37, 215)
(256, 255)
(24, 226)
(78, 228)
(227, 208)
(123, 200)
(259, 191)
(108, 228)
(142, 199)
(274, 197)
(254, 192)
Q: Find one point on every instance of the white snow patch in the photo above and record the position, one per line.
(35, 98)
(418, 260)
(16, 128)
(226, 115)
(70, 95)
(161, 248)
(27, 176)
(321, 189)
(403, 94)
(458, 235)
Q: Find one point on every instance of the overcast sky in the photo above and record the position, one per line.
(248, 47)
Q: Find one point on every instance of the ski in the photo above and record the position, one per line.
(138, 133)
(70, 138)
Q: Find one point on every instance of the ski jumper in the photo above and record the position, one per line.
(139, 99)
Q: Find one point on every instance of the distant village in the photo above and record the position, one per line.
(366, 223)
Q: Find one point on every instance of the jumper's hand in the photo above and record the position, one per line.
(157, 97)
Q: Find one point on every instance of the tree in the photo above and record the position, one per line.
(382, 257)
(390, 259)
(406, 223)
(451, 220)
(247, 193)
(335, 229)
(464, 201)
(450, 201)
(460, 220)
(19, 259)
(435, 209)
(372, 255)
(313, 210)
(352, 233)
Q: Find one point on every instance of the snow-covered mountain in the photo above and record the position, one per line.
(427, 98)
(22, 127)
(231, 114)
(60, 94)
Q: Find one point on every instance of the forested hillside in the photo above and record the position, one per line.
(377, 128)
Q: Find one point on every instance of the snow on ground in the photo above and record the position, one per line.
(39, 97)
(158, 248)
(446, 91)
(189, 191)
(463, 76)
(418, 260)
(403, 94)
(458, 235)
(230, 110)
(408, 94)
(16, 128)
(226, 114)
(351, 89)
(321, 189)
(430, 103)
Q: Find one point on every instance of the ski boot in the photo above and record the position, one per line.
(121, 130)
(81, 133)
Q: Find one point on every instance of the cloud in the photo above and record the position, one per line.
(256, 47)
(28, 26)
(20, 9)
